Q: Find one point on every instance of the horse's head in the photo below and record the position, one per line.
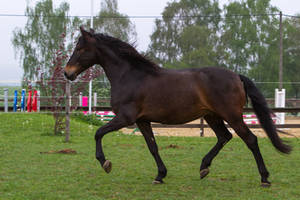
(84, 55)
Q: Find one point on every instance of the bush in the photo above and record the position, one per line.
(89, 119)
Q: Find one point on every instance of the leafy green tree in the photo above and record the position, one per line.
(37, 43)
(291, 59)
(113, 23)
(187, 34)
(250, 36)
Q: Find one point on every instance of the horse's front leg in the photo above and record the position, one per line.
(120, 121)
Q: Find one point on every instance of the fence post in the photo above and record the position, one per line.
(95, 99)
(38, 101)
(5, 99)
(201, 127)
(280, 103)
(80, 98)
(68, 95)
(90, 97)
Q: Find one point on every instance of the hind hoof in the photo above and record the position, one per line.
(155, 182)
(204, 173)
(265, 184)
(107, 166)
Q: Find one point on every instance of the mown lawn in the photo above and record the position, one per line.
(25, 173)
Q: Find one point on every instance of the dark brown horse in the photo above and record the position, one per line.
(142, 92)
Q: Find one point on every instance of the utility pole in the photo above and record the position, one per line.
(90, 83)
(280, 53)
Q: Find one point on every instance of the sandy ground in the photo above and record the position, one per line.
(209, 133)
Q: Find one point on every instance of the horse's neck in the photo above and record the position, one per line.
(115, 72)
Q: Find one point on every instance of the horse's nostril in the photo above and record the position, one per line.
(71, 77)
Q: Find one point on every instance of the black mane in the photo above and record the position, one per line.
(128, 52)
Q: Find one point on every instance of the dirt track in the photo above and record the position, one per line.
(209, 133)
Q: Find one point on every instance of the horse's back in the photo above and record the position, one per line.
(179, 96)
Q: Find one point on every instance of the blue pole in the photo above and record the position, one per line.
(15, 101)
(23, 100)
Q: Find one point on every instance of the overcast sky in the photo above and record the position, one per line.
(10, 70)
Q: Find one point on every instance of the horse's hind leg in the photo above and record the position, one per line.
(145, 128)
(251, 141)
(223, 135)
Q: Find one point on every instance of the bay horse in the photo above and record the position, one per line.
(142, 92)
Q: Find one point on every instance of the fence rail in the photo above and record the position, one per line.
(201, 125)
(107, 108)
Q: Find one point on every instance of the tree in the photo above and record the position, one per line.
(113, 23)
(187, 34)
(55, 87)
(37, 43)
(44, 47)
(291, 59)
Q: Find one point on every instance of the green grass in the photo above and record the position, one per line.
(27, 174)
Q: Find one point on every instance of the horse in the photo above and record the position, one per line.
(143, 92)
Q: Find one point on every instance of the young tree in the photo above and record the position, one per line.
(55, 87)
(37, 43)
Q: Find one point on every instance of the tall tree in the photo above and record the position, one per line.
(186, 34)
(37, 43)
(291, 59)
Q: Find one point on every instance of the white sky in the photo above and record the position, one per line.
(10, 70)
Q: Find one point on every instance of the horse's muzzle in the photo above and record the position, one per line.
(70, 77)
(70, 72)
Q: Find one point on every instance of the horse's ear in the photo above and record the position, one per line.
(84, 33)
(92, 31)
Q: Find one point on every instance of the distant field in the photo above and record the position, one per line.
(25, 173)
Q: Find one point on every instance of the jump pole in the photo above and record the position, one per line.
(15, 107)
(23, 100)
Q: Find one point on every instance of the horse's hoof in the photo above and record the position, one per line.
(204, 173)
(157, 182)
(266, 184)
(107, 166)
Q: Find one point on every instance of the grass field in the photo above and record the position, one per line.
(25, 173)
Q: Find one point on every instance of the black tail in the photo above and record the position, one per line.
(263, 114)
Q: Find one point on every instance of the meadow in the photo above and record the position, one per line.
(26, 173)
